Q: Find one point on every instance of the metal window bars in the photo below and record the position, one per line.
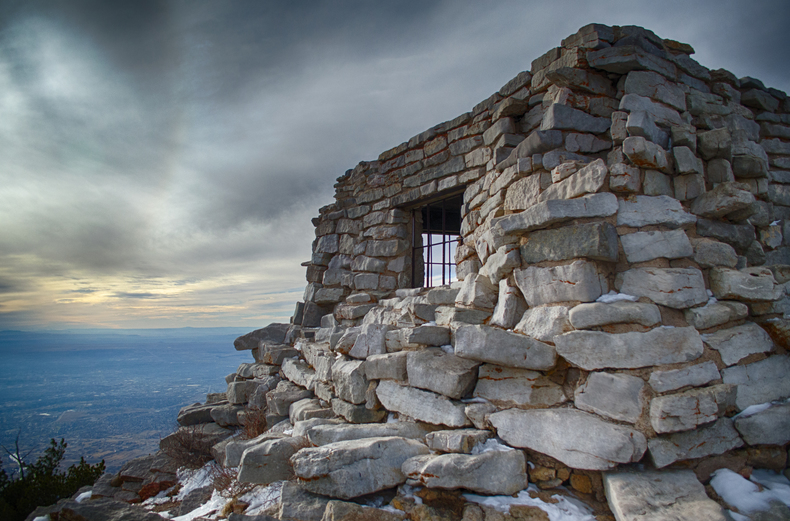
(435, 243)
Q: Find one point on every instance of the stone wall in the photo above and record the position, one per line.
(624, 274)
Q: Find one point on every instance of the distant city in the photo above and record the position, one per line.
(111, 394)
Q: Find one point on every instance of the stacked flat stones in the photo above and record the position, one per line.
(624, 279)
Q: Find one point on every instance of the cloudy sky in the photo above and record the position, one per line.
(160, 161)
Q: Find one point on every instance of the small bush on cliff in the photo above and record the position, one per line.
(42, 483)
(189, 446)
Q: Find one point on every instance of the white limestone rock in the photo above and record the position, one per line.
(456, 440)
(578, 281)
(542, 215)
(325, 434)
(588, 180)
(646, 154)
(594, 314)
(760, 382)
(510, 306)
(645, 246)
(593, 350)
(770, 426)
(492, 472)
(749, 284)
(501, 263)
(725, 198)
(709, 253)
(268, 461)
(545, 322)
(477, 292)
(437, 371)
(684, 411)
(495, 346)
(351, 384)
(677, 288)
(715, 438)
(421, 405)
(736, 343)
(694, 375)
(299, 373)
(715, 314)
(369, 341)
(578, 439)
(390, 366)
(508, 387)
(648, 495)
(353, 468)
(646, 210)
(615, 396)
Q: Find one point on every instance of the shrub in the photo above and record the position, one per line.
(254, 423)
(189, 446)
(41, 483)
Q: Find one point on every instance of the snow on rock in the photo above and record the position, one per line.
(750, 496)
(614, 296)
(565, 509)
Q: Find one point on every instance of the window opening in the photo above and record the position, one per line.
(436, 231)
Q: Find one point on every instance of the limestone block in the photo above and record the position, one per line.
(297, 504)
(739, 236)
(456, 440)
(748, 158)
(720, 171)
(685, 136)
(694, 376)
(618, 130)
(447, 316)
(709, 253)
(279, 400)
(578, 439)
(299, 373)
(770, 426)
(501, 263)
(759, 382)
(589, 179)
(662, 114)
(492, 472)
(350, 380)
(748, 284)
(346, 342)
(268, 461)
(645, 246)
(421, 405)
(478, 414)
(585, 143)
(271, 334)
(725, 198)
(508, 387)
(625, 178)
(615, 396)
(239, 392)
(646, 211)
(739, 342)
(593, 240)
(677, 288)
(592, 350)
(306, 409)
(477, 292)
(686, 162)
(347, 511)
(771, 236)
(510, 305)
(369, 341)
(544, 214)
(564, 117)
(646, 154)
(715, 143)
(390, 366)
(357, 413)
(688, 186)
(523, 193)
(652, 85)
(641, 123)
(194, 414)
(235, 448)
(437, 371)
(715, 438)
(495, 346)
(228, 414)
(594, 314)
(577, 281)
(759, 100)
(684, 411)
(442, 296)
(545, 322)
(658, 495)
(332, 433)
(582, 79)
(354, 468)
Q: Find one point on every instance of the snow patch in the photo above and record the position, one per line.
(565, 509)
(215, 504)
(82, 497)
(614, 296)
(450, 350)
(491, 444)
(749, 496)
(262, 497)
(195, 479)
